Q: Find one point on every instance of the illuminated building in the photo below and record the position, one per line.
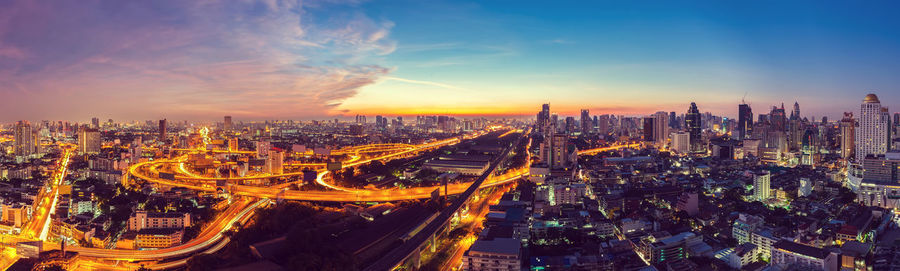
(95, 123)
(648, 129)
(500, 254)
(140, 220)
(275, 162)
(158, 238)
(778, 119)
(587, 125)
(24, 137)
(561, 151)
(787, 253)
(872, 134)
(162, 130)
(681, 142)
(805, 187)
(692, 123)
(745, 122)
(761, 188)
(16, 214)
(665, 248)
(848, 135)
(744, 226)
(660, 128)
(89, 141)
(227, 124)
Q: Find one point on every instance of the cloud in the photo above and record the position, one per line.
(420, 82)
(191, 59)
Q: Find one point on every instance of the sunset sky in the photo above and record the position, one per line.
(135, 60)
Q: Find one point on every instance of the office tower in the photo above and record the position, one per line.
(162, 130)
(805, 187)
(761, 188)
(570, 125)
(228, 125)
(795, 114)
(778, 119)
(275, 162)
(603, 125)
(89, 141)
(848, 134)
(745, 121)
(660, 128)
(648, 128)
(560, 154)
(681, 142)
(586, 124)
(95, 123)
(360, 119)
(24, 139)
(543, 119)
(692, 123)
(673, 121)
(896, 119)
(872, 135)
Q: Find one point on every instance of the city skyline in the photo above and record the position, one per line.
(321, 60)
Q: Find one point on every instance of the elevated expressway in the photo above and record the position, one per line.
(211, 237)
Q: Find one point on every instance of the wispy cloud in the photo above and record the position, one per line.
(420, 82)
(192, 59)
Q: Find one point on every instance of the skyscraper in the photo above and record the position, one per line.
(778, 119)
(162, 130)
(648, 127)
(872, 135)
(795, 114)
(89, 141)
(848, 127)
(761, 185)
(745, 121)
(227, 125)
(587, 124)
(560, 154)
(692, 123)
(660, 128)
(95, 123)
(24, 139)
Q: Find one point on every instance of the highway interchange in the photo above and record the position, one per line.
(246, 199)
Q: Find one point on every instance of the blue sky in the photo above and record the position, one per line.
(316, 59)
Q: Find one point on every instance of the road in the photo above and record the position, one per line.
(45, 203)
(211, 238)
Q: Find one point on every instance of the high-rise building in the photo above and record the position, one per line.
(587, 125)
(692, 123)
(570, 125)
(848, 134)
(660, 128)
(681, 142)
(603, 125)
(95, 123)
(745, 121)
(778, 119)
(275, 162)
(228, 125)
(24, 139)
(673, 121)
(795, 114)
(761, 188)
(89, 141)
(560, 154)
(805, 187)
(648, 128)
(162, 130)
(872, 136)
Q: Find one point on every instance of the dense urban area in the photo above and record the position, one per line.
(776, 190)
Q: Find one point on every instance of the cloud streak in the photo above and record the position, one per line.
(185, 59)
